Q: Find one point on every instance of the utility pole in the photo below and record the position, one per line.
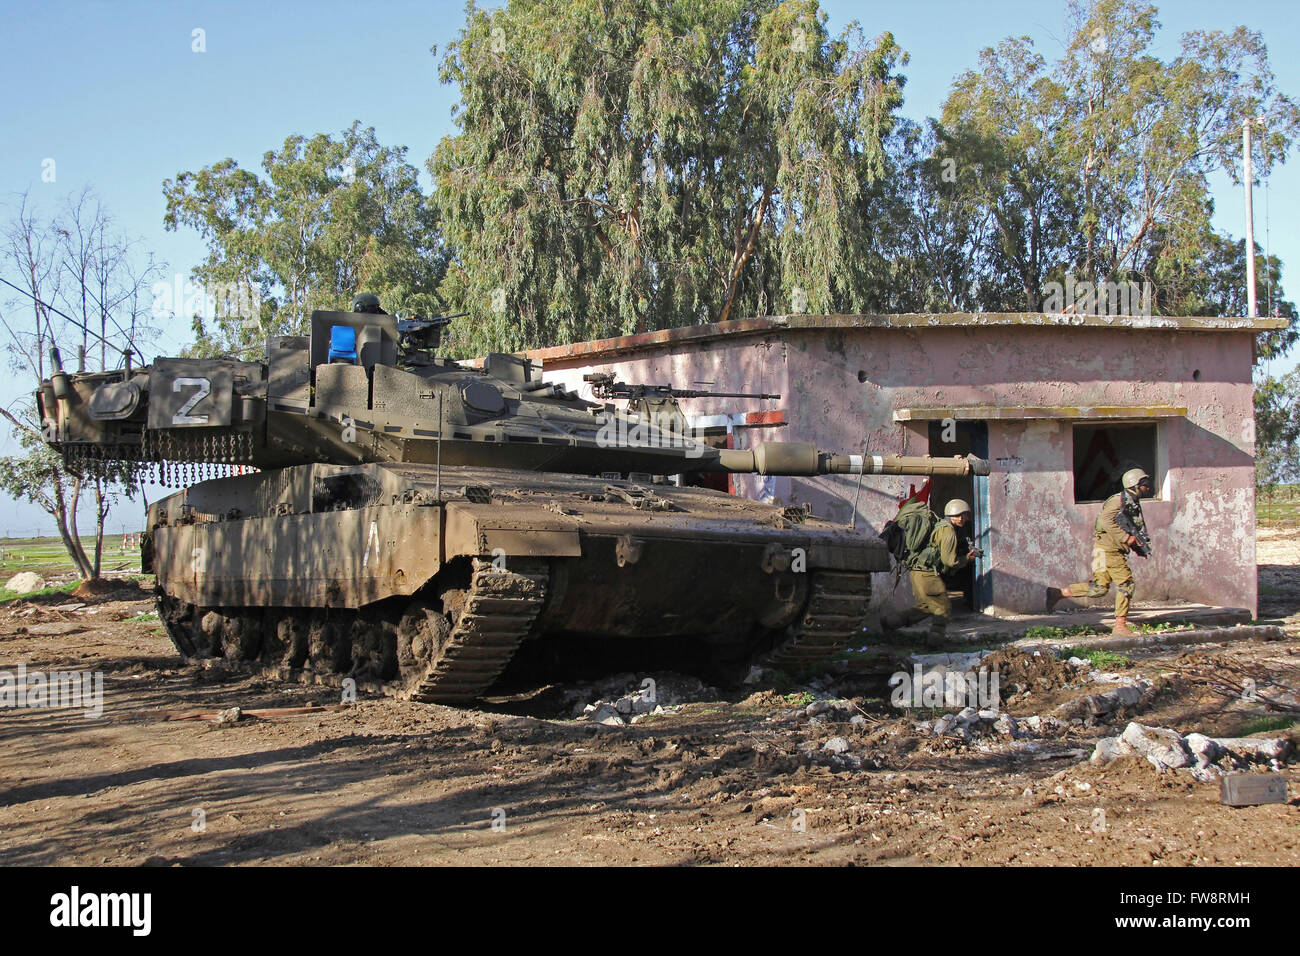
(1252, 310)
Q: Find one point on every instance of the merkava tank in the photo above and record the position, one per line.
(358, 506)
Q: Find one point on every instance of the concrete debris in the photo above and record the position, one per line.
(1162, 747)
(1205, 757)
(54, 628)
(836, 745)
(1099, 705)
(25, 582)
(948, 662)
(1036, 724)
(970, 723)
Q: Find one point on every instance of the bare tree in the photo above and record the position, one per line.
(83, 283)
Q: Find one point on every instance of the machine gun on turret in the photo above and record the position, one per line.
(604, 386)
(418, 335)
(656, 404)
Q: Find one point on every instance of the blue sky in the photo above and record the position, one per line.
(115, 95)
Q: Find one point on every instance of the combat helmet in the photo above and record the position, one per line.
(1134, 477)
(955, 507)
(367, 302)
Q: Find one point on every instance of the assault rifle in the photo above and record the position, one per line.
(604, 386)
(1130, 527)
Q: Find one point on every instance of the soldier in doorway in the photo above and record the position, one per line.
(944, 553)
(1120, 529)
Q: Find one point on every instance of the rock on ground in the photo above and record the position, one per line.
(25, 582)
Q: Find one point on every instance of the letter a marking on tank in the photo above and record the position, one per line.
(373, 538)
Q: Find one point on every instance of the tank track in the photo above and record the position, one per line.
(498, 612)
(837, 605)
(454, 656)
(420, 655)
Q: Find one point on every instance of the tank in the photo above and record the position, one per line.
(357, 506)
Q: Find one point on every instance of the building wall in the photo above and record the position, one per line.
(840, 388)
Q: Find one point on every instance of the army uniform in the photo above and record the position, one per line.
(1110, 551)
(927, 570)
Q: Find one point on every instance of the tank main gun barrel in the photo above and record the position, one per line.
(802, 458)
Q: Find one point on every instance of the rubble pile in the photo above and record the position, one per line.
(628, 699)
(970, 723)
(1207, 758)
(828, 711)
(837, 754)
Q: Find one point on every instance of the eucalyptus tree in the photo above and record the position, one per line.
(326, 217)
(626, 165)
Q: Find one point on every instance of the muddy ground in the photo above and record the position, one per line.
(729, 778)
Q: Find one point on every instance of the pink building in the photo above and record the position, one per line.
(1061, 405)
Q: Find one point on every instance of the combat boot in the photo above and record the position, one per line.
(1121, 628)
(1054, 597)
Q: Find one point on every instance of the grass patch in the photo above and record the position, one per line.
(141, 618)
(1048, 632)
(1265, 725)
(8, 596)
(1099, 659)
(47, 555)
(1277, 506)
(799, 700)
(1162, 626)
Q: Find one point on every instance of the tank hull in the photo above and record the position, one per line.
(430, 579)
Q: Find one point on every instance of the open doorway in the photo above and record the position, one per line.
(964, 438)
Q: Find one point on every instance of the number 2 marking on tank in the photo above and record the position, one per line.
(183, 416)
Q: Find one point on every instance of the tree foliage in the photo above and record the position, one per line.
(625, 165)
(1277, 429)
(1096, 166)
(328, 217)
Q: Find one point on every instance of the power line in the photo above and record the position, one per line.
(84, 328)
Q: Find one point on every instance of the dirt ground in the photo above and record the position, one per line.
(729, 778)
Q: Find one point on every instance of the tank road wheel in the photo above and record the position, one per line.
(837, 605)
(241, 635)
(491, 618)
(329, 643)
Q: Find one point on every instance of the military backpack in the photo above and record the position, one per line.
(907, 534)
